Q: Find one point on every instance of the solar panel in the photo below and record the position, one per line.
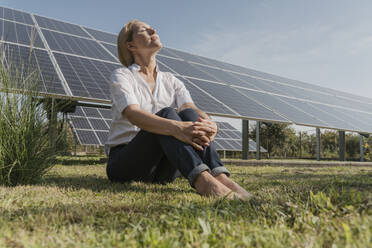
(86, 77)
(15, 15)
(32, 61)
(184, 68)
(60, 26)
(230, 139)
(309, 108)
(112, 48)
(19, 33)
(90, 125)
(87, 137)
(102, 36)
(235, 100)
(183, 55)
(292, 113)
(76, 46)
(86, 57)
(204, 101)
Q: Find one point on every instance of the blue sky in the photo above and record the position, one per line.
(327, 43)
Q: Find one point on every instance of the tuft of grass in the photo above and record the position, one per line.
(77, 206)
(26, 153)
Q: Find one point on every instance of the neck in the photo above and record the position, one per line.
(147, 63)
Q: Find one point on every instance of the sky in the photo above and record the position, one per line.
(327, 43)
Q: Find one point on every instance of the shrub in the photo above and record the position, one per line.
(26, 152)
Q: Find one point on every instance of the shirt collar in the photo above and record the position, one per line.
(136, 67)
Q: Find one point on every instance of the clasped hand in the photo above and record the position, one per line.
(198, 134)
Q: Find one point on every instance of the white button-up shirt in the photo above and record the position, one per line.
(128, 87)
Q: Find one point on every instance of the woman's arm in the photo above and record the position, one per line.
(185, 131)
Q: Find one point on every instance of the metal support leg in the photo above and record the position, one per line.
(341, 145)
(317, 150)
(361, 149)
(52, 125)
(245, 141)
(300, 137)
(258, 142)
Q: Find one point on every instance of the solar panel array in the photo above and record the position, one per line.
(77, 61)
(91, 127)
(230, 139)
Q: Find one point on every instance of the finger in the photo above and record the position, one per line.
(199, 133)
(200, 142)
(205, 124)
(203, 128)
(204, 139)
(197, 146)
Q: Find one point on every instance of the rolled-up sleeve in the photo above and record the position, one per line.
(182, 95)
(122, 90)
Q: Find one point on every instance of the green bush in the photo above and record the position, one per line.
(26, 152)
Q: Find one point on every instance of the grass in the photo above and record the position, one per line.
(76, 206)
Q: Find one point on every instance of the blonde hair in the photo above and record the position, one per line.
(126, 35)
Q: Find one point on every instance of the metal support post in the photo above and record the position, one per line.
(245, 143)
(341, 145)
(258, 142)
(52, 125)
(300, 136)
(317, 149)
(361, 149)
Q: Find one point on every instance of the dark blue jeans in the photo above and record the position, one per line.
(156, 158)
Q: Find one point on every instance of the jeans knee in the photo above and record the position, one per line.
(167, 111)
(189, 114)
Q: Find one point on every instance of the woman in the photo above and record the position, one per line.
(149, 141)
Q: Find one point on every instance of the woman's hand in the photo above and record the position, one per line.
(209, 125)
(192, 133)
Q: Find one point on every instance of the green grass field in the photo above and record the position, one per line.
(76, 206)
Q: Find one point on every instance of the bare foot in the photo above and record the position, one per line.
(207, 185)
(225, 180)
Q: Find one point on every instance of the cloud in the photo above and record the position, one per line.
(329, 55)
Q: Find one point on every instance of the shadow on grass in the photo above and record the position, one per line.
(99, 184)
(81, 160)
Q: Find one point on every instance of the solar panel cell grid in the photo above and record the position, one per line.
(331, 120)
(86, 77)
(204, 101)
(33, 62)
(75, 45)
(102, 36)
(184, 68)
(98, 124)
(102, 136)
(80, 123)
(112, 48)
(15, 15)
(60, 26)
(183, 55)
(243, 105)
(87, 137)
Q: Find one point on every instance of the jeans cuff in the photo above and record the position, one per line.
(220, 169)
(195, 173)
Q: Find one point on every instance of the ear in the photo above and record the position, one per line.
(130, 46)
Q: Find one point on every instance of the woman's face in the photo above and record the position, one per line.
(145, 39)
